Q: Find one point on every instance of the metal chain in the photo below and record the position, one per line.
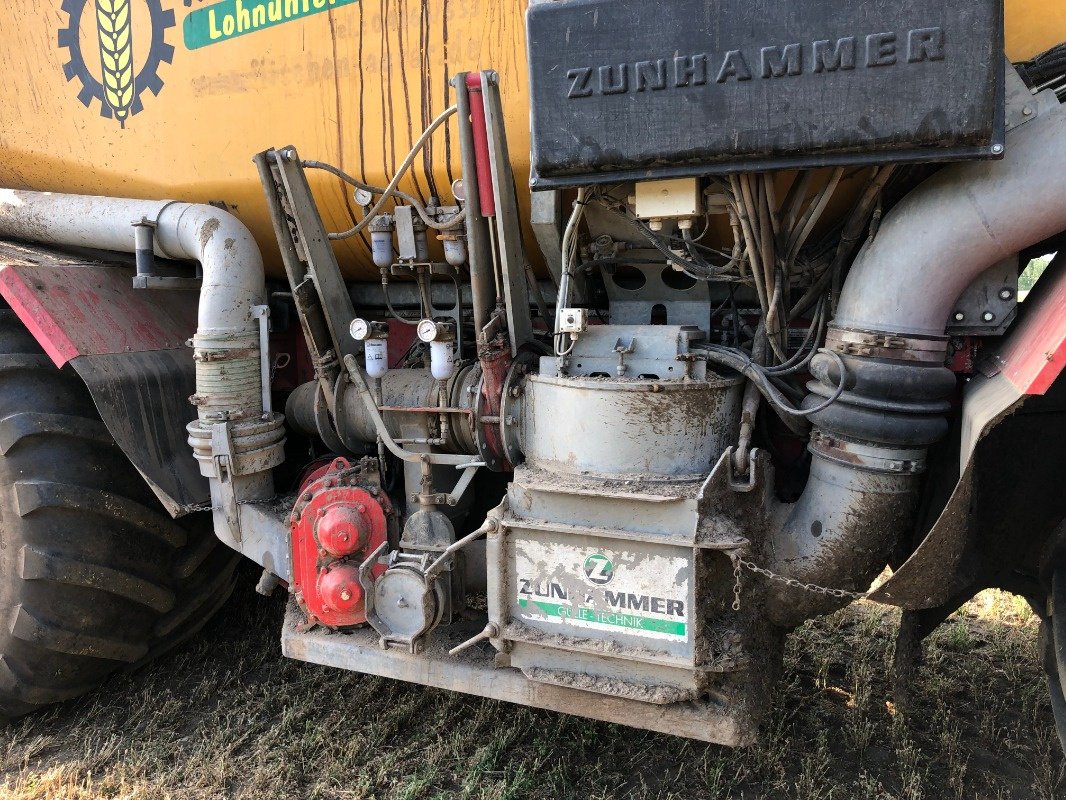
(736, 583)
(209, 507)
(739, 562)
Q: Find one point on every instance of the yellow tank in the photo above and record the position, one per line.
(159, 98)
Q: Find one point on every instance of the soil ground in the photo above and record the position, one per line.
(228, 716)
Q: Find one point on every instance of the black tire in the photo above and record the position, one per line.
(94, 575)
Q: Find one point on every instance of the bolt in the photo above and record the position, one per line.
(997, 149)
(516, 391)
(402, 602)
(988, 316)
(1006, 294)
(360, 507)
(510, 420)
(1027, 111)
(346, 594)
(959, 316)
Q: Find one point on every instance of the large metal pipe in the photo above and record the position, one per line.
(232, 265)
(482, 292)
(961, 221)
(868, 449)
(234, 439)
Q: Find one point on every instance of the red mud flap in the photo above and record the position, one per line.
(128, 345)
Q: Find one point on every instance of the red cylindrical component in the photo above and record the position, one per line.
(338, 586)
(341, 529)
(486, 199)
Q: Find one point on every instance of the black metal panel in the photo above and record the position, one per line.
(627, 89)
(143, 399)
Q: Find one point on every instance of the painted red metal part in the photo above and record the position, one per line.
(401, 337)
(486, 199)
(1035, 354)
(495, 364)
(339, 518)
(94, 310)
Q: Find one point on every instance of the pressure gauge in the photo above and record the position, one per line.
(360, 329)
(428, 330)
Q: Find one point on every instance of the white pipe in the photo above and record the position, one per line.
(236, 439)
(232, 266)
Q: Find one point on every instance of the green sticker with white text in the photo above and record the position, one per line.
(229, 19)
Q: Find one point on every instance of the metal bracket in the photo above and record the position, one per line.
(1022, 105)
(513, 261)
(262, 313)
(405, 233)
(222, 455)
(624, 347)
(307, 253)
(144, 251)
(165, 282)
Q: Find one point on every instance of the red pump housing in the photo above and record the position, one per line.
(340, 517)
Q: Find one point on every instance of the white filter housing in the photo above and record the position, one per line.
(441, 360)
(377, 357)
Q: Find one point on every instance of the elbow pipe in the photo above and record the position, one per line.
(234, 438)
(228, 375)
(958, 223)
(232, 267)
(868, 449)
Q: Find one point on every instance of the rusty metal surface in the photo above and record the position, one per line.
(82, 308)
(474, 672)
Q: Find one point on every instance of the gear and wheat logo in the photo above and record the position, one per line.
(127, 55)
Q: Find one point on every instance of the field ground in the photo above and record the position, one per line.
(227, 716)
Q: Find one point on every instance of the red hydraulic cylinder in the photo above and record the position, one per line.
(486, 199)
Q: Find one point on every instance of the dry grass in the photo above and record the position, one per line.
(227, 716)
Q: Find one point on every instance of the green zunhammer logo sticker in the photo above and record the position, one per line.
(599, 569)
(583, 590)
(229, 19)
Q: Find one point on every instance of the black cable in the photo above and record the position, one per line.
(742, 362)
